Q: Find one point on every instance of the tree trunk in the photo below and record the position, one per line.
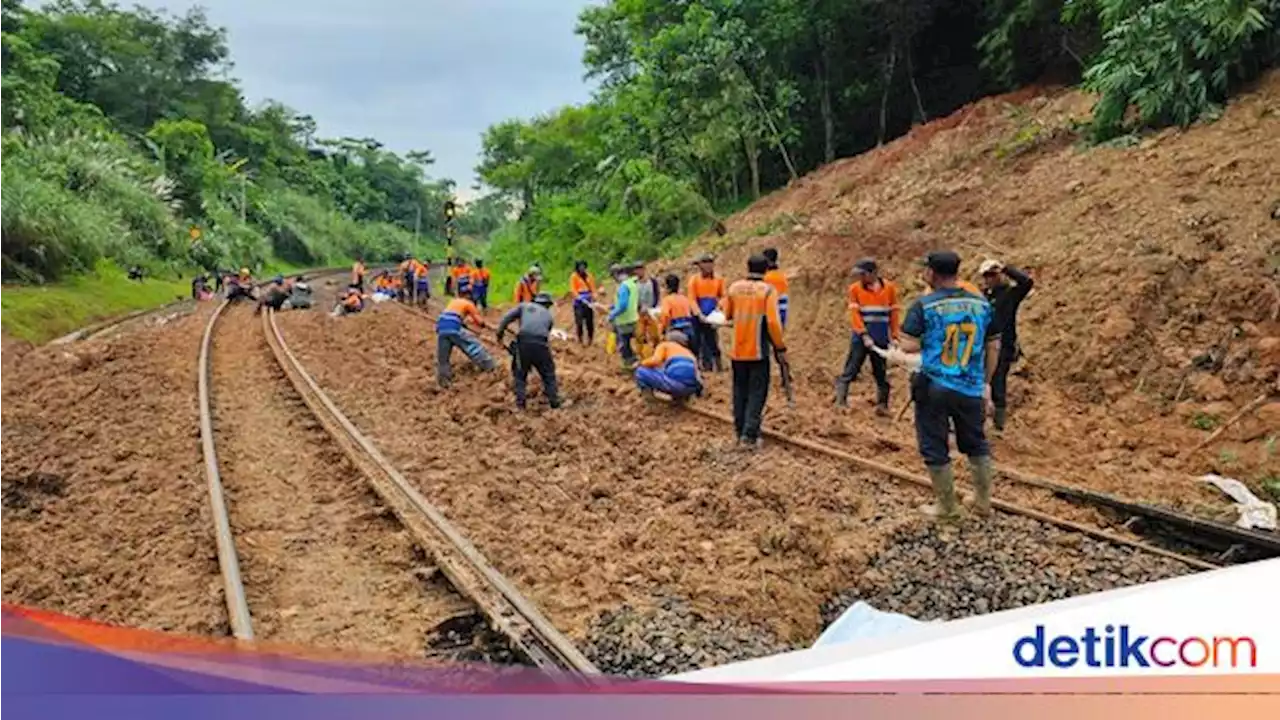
(824, 106)
(773, 128)
(888, 84)
(911, 75)
(753, 162)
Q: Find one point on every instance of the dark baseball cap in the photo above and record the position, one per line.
(943, 262)
(867, 265)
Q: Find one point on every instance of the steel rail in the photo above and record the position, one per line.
(507, 610)
(233, 585)
(911, 478)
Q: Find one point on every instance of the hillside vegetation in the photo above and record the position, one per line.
(703, 106)
(122, 141)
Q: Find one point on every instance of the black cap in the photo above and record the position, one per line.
(757, 265)
(865, 265)
(944, 262)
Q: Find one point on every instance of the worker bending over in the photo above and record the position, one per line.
(752, 306)
(451, 332)
(778, 280)
(671, 369)
(480, 284)
(274, 296)
(625, 314)
(582, 285)
(874, 316)
(949, 328)
(707, 292)
(1005, 287)
(532, 347)
(350, 302)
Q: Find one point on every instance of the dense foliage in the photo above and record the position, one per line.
(120, 137)
(704, 104)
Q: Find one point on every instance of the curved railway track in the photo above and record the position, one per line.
(1215, 544)
(507, 611)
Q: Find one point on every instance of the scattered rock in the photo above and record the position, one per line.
(1209, 387)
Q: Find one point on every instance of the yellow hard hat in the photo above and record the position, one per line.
(244, 271)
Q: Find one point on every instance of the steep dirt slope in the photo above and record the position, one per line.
(1157, 304)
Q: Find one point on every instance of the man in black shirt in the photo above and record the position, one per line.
(1005, 287)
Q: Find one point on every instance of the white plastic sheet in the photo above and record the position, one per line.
(863, 622)
(1254, 512)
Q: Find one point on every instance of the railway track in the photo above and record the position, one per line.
(1215, 544)
(507, 611)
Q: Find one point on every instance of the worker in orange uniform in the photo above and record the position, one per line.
(752, 306)
(421, 290)
(707, 292)
(451, 332)
(460, 274)
(582, 286)
(648, 294)
(405, 270)
(778, 280)
(672, 369)
(875, 318)
(675, 312)
(480, 284)
(357, 273)
(527, 287)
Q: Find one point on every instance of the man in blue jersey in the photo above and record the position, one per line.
(949, 328)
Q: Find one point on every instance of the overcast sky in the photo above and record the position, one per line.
(415, 74)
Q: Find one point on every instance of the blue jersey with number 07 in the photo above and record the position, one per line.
(951, 325)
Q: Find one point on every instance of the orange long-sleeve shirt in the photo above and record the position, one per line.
(583, 289)
(665, 351)
(465, 310)
(675, 310)
(875, 310)
(752, 305)
(706, 293)
(525, 290)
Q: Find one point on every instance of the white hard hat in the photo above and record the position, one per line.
(990, 266)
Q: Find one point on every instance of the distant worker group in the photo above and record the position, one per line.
(958, 341)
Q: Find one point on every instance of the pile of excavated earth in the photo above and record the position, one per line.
(642, 532)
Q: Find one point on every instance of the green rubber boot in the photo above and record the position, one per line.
(946, 508)
(983, 477)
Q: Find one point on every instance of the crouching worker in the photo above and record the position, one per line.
(274, 296)
(671, 369)
(451, 332)
(351, 302)
(532, 348)
(300, 294)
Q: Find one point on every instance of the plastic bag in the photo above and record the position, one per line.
(716, 318)
(611, 342)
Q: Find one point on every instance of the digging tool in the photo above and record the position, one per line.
(784, 370)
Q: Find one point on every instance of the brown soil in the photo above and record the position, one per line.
(105, 508)
(1157, 307)
(324, 563)
(604, 502)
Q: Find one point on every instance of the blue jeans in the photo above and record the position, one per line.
(654, 379)
(469, 345)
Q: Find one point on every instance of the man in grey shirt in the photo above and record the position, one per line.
(532, 347)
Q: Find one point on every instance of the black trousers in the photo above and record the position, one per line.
(858, 354)
(584, 320)
(1004, 362)
(706, 344)
(529, 355)
(938, 409)
(750, 391)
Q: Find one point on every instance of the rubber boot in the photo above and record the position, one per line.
(983, 476)
(998, 418)
(842, 394)
(882, 401)
(944, 489)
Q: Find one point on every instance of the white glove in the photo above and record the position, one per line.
(559, 335)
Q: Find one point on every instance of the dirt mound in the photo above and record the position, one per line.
(1156, 260)
(105, 507)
